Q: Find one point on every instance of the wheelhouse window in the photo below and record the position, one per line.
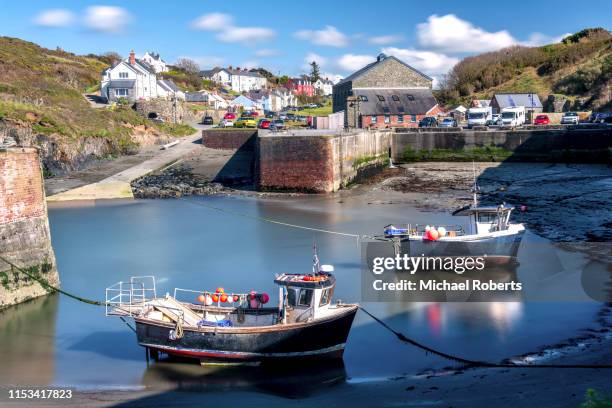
(305, 297)
(381, 98)
(326, 296)
(121, 92)
(123, 75)
(486, 218)
(395, 98)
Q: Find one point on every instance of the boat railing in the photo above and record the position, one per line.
(420, 229)
(127, 298)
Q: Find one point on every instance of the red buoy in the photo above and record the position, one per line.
(264, 298)
(219, 290)
(236, 298)
(253, 294)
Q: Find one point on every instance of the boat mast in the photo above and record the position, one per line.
(475, 188)
(316, 265)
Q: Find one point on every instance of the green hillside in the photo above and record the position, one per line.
(42, 89)
(578, 68)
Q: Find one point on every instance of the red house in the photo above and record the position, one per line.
(301, 86)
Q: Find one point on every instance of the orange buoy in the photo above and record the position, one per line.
(223, 298)
(219, 290)
(265, 298)
(201, 299)
(433, 234)
(215, 298)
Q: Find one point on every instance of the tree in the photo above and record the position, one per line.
(188, 65)
(112, 57)
(315, 73)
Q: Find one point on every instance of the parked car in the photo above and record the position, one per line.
(291, 116)
(226, 123)
(448, 122)
(246, 122)
(570, 118)
(252, 114)
(496, 119)
(599, 117)
(428, 121)
(230, 116)
(208, 120)
(541, 120)
(263, 124)
(277, 124)
(282, 117)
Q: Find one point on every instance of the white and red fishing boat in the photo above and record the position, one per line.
(223, 326)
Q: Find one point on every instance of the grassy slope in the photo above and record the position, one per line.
(43, 88)
(529, 76)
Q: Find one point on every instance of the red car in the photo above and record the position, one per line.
(264, 124)
(541, 120)
(229, 116)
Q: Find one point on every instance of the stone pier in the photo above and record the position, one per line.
(24, 227)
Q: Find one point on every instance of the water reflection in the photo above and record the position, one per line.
(301, 379)
(27, 342)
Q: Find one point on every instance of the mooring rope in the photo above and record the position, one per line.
(273, 221)
(46, 284)
(473, 363)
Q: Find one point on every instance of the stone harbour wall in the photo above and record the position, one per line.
(24, 227)
(163, 108)
(229, 139)
(315, 162)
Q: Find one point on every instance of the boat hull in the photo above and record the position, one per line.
(324, 338)
(498, 249)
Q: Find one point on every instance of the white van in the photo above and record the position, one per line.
(514, 116)
(479, 116)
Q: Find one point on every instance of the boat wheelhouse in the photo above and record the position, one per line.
(238, 327)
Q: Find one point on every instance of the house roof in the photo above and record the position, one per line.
(507, 100)
(409, 101)
(122, 83)
(381, 58)
(168, 85)
(232, 71)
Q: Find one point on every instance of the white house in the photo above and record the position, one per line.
(324, 86)
(238, 80)
(209, 98)
(155, 61)
(245, 103)
(134, 79)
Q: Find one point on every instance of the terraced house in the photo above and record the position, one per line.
(386, 93)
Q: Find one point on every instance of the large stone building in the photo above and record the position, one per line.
(385, 93)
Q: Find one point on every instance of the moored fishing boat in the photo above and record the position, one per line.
(238, 327)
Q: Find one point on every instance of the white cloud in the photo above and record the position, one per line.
(54, 18)
(386, 39)
(451, 34)
(266, 52)
(319, 59)
(212, 22)
(431, 63)
(352, 62)
(247, 35)
(108, 19)
(536, 39)
(329, 36)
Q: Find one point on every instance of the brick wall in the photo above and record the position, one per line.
(229, 139)
(21, 188)
(24, 228)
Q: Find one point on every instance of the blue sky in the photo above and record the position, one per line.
(283, 36)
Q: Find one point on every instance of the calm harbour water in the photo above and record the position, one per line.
(58, 341)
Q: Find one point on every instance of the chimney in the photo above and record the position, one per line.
(132, 58)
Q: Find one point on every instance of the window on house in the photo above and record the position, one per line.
(387, 118)
(363, 98)
(123, 75)
(400, 118)
(400, 109)
(410, 97)
(413, 118)
(386, 109)
(395, 98)
(121, 92)
(381, 98)
(373, 119)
